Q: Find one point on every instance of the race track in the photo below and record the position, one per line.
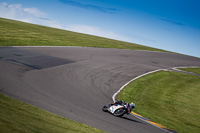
(76, 82)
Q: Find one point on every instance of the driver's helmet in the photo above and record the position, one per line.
(132, 105)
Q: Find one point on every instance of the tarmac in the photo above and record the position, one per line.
(76, 82)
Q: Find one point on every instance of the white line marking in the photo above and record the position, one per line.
(177, 68)
(113, 97)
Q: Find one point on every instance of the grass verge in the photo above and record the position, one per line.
(168, 98)
(193, 70)
(19, 117)
(15, 33)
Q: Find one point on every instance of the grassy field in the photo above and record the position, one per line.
(168, 98)
(15, 33)
(18, 117)
(193, 70)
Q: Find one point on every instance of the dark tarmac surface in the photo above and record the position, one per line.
(76, 82)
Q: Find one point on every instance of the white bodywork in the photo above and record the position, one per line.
(114, 107)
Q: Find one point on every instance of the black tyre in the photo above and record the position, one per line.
(119, 112)
(105, 108)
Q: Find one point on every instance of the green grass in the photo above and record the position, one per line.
(193, 70)
(168, 98)
(18, 117)
(15, 33)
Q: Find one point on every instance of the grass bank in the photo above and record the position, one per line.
(15, 33)
(18, 117)
(169, 98)
(193, 70)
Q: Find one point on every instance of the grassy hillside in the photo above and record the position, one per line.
(18, 117)
(15, 33)
(168, 98)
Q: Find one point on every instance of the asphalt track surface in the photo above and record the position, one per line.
(76, 82)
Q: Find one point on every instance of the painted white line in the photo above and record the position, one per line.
(177, 68)
(113, 97)
(186, 67)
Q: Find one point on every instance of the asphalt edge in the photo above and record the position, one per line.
(90, 47)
